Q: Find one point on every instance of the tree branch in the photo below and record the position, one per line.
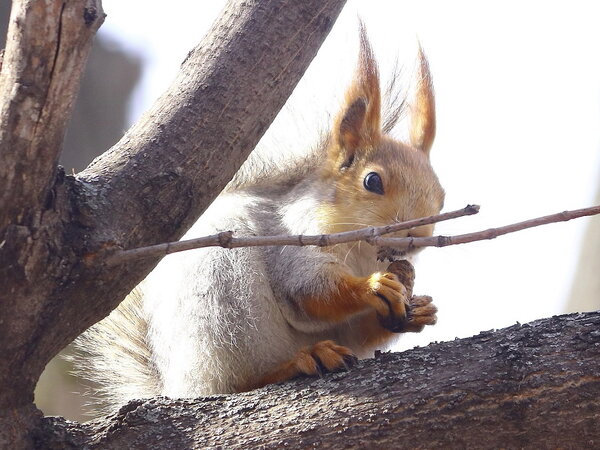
(47, 47)
(372, 235)
(227, 240)
(527, 386)
(166, 170)
(443, 241)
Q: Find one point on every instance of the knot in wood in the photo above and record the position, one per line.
(225, 238)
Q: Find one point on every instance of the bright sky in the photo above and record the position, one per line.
(518, 103)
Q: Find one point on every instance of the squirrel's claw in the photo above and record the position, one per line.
(422, 312)
(419, 309)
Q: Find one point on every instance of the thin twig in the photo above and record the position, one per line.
(442, 241)
(226, 239)
(373, 235)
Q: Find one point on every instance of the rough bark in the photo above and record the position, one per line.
(47, 46)
(46, 50)
(526, 386)
(148, 188)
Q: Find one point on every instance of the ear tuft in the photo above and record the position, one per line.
(422, 123)
(358, 124)
(367, 81)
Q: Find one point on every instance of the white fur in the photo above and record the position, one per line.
(221, 318)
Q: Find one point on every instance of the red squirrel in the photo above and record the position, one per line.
(218, 321)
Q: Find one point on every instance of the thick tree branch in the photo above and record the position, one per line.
(47, 46)
(169, 167)
(527, 386)
(46, 50)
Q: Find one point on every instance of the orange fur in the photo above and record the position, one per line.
(353, 207)
(358, 126)
(372, 333)
(357, 147)
(356, 294)
(410, 190)
(324, 356)
(422, 126)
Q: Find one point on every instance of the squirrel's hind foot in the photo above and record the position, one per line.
(323, 357)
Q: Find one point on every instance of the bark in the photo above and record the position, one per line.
(47, 46)
(526, 386)
(150, 187)
(46, 49)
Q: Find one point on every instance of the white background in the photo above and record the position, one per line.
(518, 102)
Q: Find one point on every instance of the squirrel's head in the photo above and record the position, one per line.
(378, 180)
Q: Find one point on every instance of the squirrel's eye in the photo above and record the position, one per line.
(373, 183)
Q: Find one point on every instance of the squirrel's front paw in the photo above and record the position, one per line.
(421, 312)
(389, 297)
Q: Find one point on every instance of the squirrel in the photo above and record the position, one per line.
(216, 320)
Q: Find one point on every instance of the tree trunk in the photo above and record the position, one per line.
(528, 386)
(150, 187)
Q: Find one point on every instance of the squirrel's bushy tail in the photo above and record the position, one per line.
(116, 357)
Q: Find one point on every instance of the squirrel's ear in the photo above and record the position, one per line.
(358, 124)
(422, 122)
